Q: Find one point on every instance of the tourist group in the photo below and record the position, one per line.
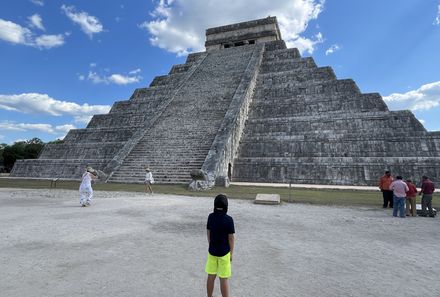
(399, 194)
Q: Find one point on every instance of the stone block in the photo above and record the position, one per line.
(269, 199)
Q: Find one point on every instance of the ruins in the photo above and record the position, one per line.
(246, 109)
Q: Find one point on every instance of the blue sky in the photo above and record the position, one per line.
(65, 60)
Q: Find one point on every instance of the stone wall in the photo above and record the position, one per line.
(306, 126)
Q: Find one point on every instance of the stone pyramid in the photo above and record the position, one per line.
(246, 109)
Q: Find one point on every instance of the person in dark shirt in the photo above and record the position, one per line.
(220, 231)
(427, 191)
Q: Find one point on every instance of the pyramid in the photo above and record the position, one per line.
(246, 109)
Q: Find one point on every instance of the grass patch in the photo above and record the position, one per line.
(298, 195)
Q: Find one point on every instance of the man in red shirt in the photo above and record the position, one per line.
(427, 191)
(411, 199)
(384, 185)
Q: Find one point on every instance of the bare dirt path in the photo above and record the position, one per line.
(130, 244)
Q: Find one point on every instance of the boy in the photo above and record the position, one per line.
(149, 180)
(220, 231)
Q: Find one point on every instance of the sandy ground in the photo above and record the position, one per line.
(130, 244)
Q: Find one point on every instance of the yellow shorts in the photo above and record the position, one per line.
(220, 266)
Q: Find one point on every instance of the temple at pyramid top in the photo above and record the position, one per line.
(247, 109)
(252, 32)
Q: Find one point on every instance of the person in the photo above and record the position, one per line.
(411, 199)
(427, 190)
(384, 185)
(148, 180)
(85, 189)
(220, 232)
(399, 189)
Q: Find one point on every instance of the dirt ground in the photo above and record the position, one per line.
(132, 244)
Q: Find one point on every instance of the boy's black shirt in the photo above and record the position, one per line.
(220, 226)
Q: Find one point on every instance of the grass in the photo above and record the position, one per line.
(298, 195)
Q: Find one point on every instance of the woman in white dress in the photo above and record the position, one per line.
(85, 189)
(148, 180)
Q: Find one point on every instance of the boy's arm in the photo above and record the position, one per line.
(231, 243)
(208, 233)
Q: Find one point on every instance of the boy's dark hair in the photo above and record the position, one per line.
(409, 181)
(387, 172)
(424, 177)
(398, 177)
(221, 203)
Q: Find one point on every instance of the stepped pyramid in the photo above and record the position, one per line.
(246, 109)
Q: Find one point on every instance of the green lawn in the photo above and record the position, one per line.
(325, 197)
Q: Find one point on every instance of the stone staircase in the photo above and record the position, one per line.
(180, 139)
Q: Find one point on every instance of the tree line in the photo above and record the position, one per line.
(28, 149)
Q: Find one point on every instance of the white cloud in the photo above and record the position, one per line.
(17, 34)
(14, 33)
(38, 2)
(135, 71)
(65, 128)
(89, 24)
(123, 80)
(35, 103)
(22, 127)
(306, 44)
(82, 119)
(49, 41)
(92, 65)
(332, 49)
(437, 19)
(96, 78)
(179, 26)
(118, 79)
(36, 21)
(424, 98)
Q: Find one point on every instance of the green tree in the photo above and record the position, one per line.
(2, 147)
(21, 150)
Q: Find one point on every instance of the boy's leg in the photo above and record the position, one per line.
(210, 281)
(407, 202)
(224, 286)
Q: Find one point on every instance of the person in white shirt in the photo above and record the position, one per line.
(399, 188)
(85, 189)
(148, 180)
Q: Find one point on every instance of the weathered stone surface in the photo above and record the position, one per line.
(270, 199)
(247, 109)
